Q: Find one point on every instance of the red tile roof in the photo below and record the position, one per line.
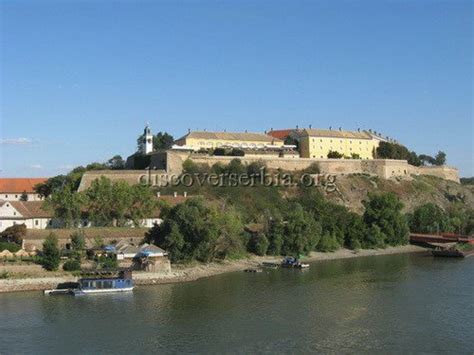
(19, 185)
(31, 209)
(280, 134)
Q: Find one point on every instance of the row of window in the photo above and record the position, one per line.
(236, 145)
(340, 140)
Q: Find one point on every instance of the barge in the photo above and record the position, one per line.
(104, 282)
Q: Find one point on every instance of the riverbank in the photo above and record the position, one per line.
(186, 273)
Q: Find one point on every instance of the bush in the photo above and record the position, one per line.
(14, 234)
(11, 247)
(108, 262)
(72, 265)
(335, 155)
(312, 169)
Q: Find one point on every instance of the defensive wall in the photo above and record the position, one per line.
(172, 163)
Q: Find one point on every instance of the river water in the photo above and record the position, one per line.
(396, 304)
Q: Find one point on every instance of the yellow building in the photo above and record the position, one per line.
(207, 140)
(317, 143)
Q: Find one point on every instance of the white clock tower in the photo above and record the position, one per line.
(147, 146)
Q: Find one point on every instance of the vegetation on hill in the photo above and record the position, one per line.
(105, 204)
(467, 181)
(387, 150)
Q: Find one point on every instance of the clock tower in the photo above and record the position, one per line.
(147, 146)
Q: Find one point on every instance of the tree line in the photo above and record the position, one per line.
(196, 230)
(387, 150)
(104, 203)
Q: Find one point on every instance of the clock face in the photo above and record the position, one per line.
(149, 140)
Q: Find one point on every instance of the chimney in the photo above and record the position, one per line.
(310, 126)
(245, 131)
(358, 129)
(340, 128)
(175, 194)
(330, 128)
(189, 130)
(158, 194)
(185, 194)
(296, 126)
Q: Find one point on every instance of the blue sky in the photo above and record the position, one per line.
(80, 78)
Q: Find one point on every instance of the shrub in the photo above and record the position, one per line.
(51, 253)
(335, 155)
(312, 169)
(14, 234)
(11, 247)
(72, 265)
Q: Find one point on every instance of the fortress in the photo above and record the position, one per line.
(288, 150)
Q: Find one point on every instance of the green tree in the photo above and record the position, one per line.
(78, 241)
(302, 233)
(143, 203)
(230, 240)
(66, 205)
(51, 254)
(162, 140)
(276, 233)
(327, 243)
(429, 218)
(115, 163)
(24, 196)
(189, 231)
(384, 211)
(440, 158)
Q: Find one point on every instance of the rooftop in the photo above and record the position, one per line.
(334, 133)
(19, 185)
(230, 136)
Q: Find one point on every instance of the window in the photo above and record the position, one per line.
(16, 196)
(36, 222)
(6, 196)
(14, 213)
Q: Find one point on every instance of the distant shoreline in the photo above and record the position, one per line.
(181, 273)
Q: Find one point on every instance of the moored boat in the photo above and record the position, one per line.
(99, 284)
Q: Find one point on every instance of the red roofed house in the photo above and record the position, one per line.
(11, 189)
(29, 213)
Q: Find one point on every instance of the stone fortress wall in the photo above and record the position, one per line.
(171, 162)
(384, 168)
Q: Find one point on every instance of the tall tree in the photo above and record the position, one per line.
(440, 158)
(115, 163)
(67, 205)
(162, 140)
(384, 211)
(51, 254)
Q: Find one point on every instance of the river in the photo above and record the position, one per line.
(395, 303)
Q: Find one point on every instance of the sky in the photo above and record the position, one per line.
(79, 79)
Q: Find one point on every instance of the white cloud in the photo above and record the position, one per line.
(16, 141)
(36, 166)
